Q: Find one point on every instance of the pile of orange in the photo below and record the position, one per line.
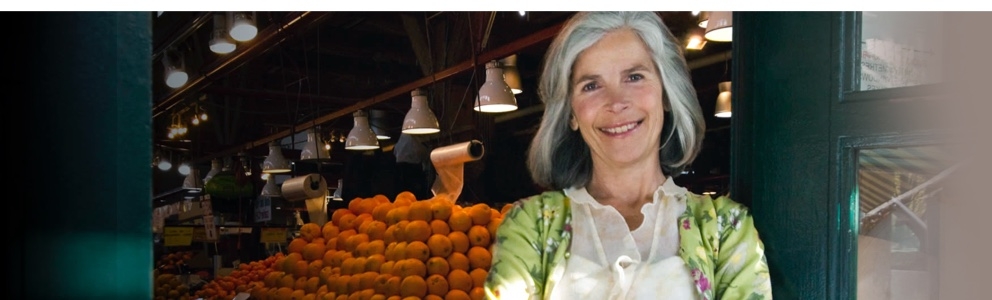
(381, 249)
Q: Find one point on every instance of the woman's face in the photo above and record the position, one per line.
(616, 100)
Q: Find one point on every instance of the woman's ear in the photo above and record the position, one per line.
(573, 124)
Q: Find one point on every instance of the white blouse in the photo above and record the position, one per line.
(609, 261)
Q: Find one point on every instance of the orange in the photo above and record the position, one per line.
(380, 199)
(393, 286)
(348, 265)
(437, 285)
(380, 283)
(417, 230)
(440, 227)
(301, 268)
(381, 211)
(421, 210)
(378, 296)
(441, 210)
(493, 226)
(353, 241)
(287, 281)
(414, 286)
(432, 297)
(479, 257)
(362, 249)
(311, 285)
(328, 257)
(374, 262)
(314, 267)
(399, 213)
(359, 265)
(367, 205)
(309, 231)
(355, 205)
(478, 276)
(337, 214)
(399, 251)
(376, 247)
(440, 245)
(418, 250)
(390, 235)
(347, 221)
(479, 236)
(457, 295)
(376, 230)
(506, 208)
(404, 198)
(344, 235)
(361, 220)
(459, 241)
(290, 262)
(354, 284)
(319, 240)
(477, 293)
(367, 280)
(314, 251)
(458, 261)
(444, 198)
(480, 213)
(296, 245)
(400, 233)
(342, 285)
(438, 265)
(386, 267)
(460, 221)
(460, 280)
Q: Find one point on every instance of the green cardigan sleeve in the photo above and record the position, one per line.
(723, 250)
(527, 248)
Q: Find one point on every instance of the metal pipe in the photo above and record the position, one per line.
(182, 34)
(268, 38)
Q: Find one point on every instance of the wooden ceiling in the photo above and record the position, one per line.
(313, 69)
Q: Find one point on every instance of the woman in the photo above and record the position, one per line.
(621, 118)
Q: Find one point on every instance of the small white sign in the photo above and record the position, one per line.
(263, 209)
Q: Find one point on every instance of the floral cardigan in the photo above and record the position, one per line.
(718, 242)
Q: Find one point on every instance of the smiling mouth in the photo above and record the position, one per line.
(621, 129)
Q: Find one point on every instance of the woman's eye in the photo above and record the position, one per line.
(589, 86)
(635, 77)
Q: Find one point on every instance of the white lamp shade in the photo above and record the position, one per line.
(361, 136)
(193, 182)
(275, 162)
(271, 189)
(220, 41)
(420, 119)
(511, 74)
(703, 19)
(243, 26)
(314, 148)
(164, 164)
(184, 169)
(719, 28)
(495, 95)
(723, 104)
(175, 71)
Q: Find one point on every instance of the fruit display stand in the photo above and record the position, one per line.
(376, 248)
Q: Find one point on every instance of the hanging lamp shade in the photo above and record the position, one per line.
(379, 123)
(275, 162)
(184, 169)
(419, 119)
(495, 95)
(243, 26)
(271, 189)
(361, 136)
(703, 19)
(720, 26)
(193, 183)
(314, 149)
(511, 74)
(175, 71)
(220, 41)
(723, 103)
(215, 168)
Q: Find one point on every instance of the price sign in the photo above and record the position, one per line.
(273, 235)
(178, 236)
(263, 209)
(199, 234)
(211, 230)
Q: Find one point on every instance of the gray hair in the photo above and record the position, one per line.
(558, 158)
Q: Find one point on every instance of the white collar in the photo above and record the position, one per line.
(581, 195)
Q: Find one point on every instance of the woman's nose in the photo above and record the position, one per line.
(617, 100)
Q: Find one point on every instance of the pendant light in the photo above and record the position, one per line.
(703, 19)
(193, 183)
(420, 119)
(361, 136)
(275, 162)
(271, 189)
(163, 163)
(314, 149)
(243, 26)
(220, 41)
(723, 101)
(495, 95)
(175, 70)
(511, 74)
(378, 122)
(719, 28)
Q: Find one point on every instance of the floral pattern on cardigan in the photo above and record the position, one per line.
(717, 236)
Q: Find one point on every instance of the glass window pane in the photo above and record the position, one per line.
(899, 49)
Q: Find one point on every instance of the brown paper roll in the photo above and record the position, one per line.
(304, 187)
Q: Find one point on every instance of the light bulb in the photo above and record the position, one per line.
(203, 116)
(243, 27)
(195, 121)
